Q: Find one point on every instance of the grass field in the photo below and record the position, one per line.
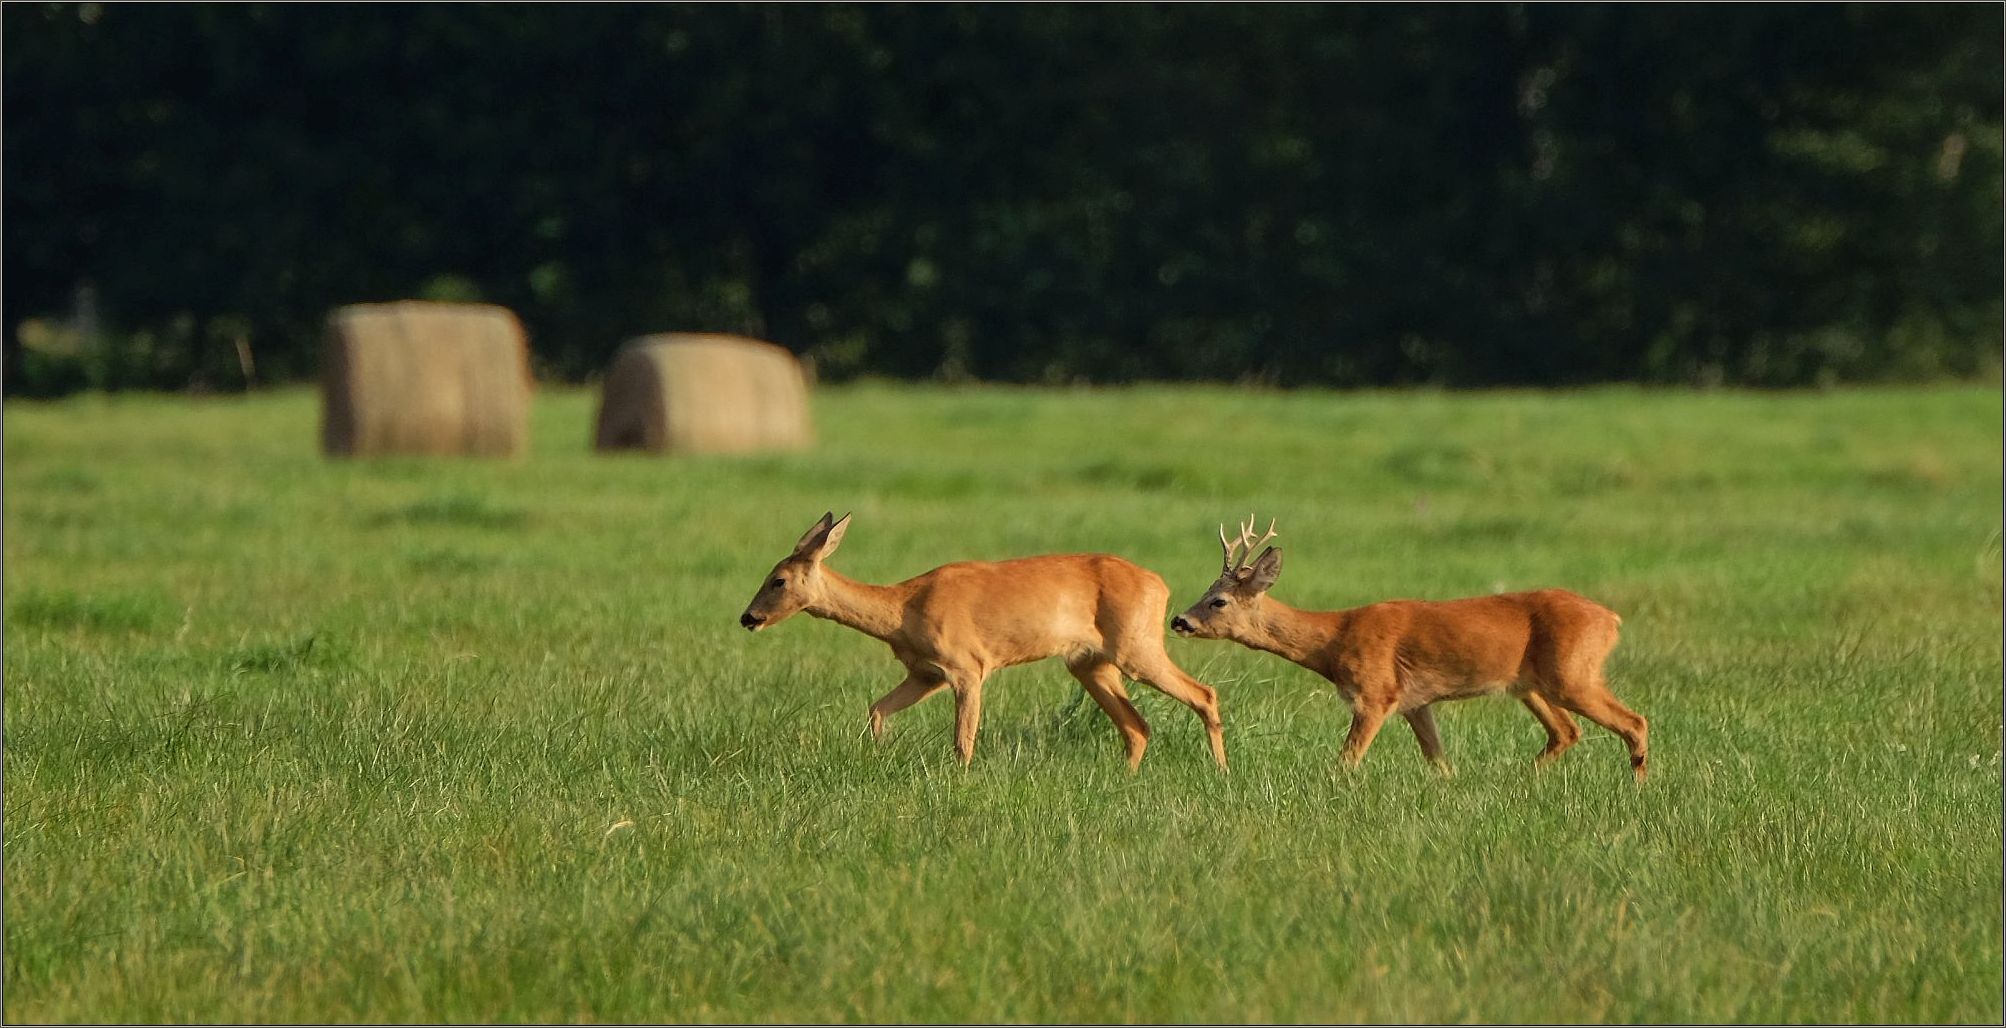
(291, 740)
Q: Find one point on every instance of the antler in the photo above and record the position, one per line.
(1246, 544)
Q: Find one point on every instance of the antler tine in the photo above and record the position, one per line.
(1246, 544)
(1255, 544)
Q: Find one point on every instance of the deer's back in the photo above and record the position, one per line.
(1014, 611)
(1455, 647)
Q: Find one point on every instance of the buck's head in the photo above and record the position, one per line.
(795, 582)
(1230, 608)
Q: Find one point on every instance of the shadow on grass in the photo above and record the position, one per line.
(115, 612)
(461, 510)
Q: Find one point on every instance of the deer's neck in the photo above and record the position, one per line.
(875, 610)
(1302, 636)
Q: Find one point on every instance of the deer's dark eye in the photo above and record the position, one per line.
(778, 582)
(1216, 604)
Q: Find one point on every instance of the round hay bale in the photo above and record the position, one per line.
(683, 393)
(424, 378)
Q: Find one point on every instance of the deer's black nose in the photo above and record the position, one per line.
(1180, 626)
(749, 620)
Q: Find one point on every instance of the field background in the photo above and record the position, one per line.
(291, 740)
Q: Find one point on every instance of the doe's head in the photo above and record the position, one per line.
(1231, 605)
(795, 582)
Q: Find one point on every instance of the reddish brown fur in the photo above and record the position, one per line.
(955, 625)
(1545, 647)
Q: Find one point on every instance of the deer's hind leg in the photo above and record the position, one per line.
(1573, 680)
(1155, 669)
(1103, 682)
(1594, 701)
(1561, 731)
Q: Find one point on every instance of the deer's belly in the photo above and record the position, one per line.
(1031, 642)
(1421, 689)
(1031, 648)
(1032, 635)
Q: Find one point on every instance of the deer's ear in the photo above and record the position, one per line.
(1265, 570)
(813, 537)
(835, 537)
(826, 543)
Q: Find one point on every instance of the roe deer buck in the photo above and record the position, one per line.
(954, 625)
(1545, 647)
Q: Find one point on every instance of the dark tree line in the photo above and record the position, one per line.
(1299, 194)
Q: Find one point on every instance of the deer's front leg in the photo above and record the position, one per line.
(905, 694)
(1422, 720)
(1367, 715)
(967, 715)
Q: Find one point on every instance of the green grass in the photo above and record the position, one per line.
(292, 740)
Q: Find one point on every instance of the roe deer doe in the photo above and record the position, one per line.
(954, 625)
(1545, 647)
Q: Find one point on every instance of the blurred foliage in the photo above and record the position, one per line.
(1331, 194)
